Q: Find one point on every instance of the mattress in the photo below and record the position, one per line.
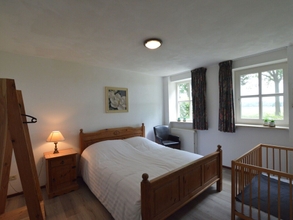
(254, 211)
(113, 171)
(270, 189)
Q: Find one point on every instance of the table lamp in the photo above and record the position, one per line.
(55, 137)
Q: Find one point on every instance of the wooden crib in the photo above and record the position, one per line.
(261, 183)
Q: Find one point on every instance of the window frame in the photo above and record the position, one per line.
(258, 69)
(177, 99)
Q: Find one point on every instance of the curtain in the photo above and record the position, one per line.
(198, 84)
(226, 103)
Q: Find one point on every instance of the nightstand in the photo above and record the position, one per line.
(61, 172)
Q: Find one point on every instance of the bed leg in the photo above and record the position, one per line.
(219, 185)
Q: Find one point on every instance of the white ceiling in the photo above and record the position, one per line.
(110, 33)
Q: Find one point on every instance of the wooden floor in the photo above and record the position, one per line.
(82, 204)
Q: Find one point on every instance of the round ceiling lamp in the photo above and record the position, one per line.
(152, 43)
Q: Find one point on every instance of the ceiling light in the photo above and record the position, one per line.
(152, 43)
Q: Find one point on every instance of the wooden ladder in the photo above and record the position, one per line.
(14, 135)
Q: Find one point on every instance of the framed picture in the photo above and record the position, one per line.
(116, 99)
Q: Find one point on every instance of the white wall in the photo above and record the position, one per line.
(68, 96)
(235, 144)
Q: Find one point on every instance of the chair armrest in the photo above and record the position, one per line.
(173, 138)
(159, 140)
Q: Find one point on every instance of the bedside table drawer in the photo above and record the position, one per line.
(67, 160)
(62, 176)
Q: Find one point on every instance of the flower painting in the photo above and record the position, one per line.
(116, 99)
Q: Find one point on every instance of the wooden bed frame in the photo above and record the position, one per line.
(274, 161)
(162, 196)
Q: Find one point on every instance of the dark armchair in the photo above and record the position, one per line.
(164, 137)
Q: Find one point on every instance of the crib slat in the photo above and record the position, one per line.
(290, 196)
(279, 197)
(273, 158)
(241, 182)
(287, 162)
(269, 195)
(267, 157)
(250, 194)
(258, 194)
(280, 165)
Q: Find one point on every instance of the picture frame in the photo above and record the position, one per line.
(116, 99)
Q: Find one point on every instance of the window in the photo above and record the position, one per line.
(261, 93)
(184, 100)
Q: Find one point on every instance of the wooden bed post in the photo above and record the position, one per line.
(14, 134)
(220, 181)
(143, 129)
(145, 196)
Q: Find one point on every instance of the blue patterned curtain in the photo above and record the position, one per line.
(226, 103)
(198, 83)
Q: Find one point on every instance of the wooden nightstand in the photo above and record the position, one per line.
(61, 172)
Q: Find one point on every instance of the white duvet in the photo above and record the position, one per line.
(113, 171)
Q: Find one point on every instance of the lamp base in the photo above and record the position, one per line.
(56, 149)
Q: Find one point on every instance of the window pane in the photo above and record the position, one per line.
(272, 81)
(184, 110)
(273, 107)
(249, 108)
(183, 91)
(249, 84)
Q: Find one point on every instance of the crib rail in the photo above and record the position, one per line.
(269, 160)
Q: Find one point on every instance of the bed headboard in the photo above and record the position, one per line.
(86, 139)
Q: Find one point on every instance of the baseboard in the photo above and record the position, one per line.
(20, 193)
(229, 168)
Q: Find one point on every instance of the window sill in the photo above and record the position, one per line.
(181, 124)
(181, 121)
(262, 126)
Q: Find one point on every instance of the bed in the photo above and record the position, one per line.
(154, 187)
(261, 183)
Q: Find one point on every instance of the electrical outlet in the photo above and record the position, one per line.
(11, 178)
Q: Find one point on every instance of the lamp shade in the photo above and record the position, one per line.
(55, 137)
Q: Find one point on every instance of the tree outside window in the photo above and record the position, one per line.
(184, 99)
(261, 94)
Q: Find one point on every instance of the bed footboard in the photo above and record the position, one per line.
(162, 196)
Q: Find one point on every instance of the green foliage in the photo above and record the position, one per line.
(184, 97)
(184, 110)
(275, 76)
(183, 87)
(245, 78)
